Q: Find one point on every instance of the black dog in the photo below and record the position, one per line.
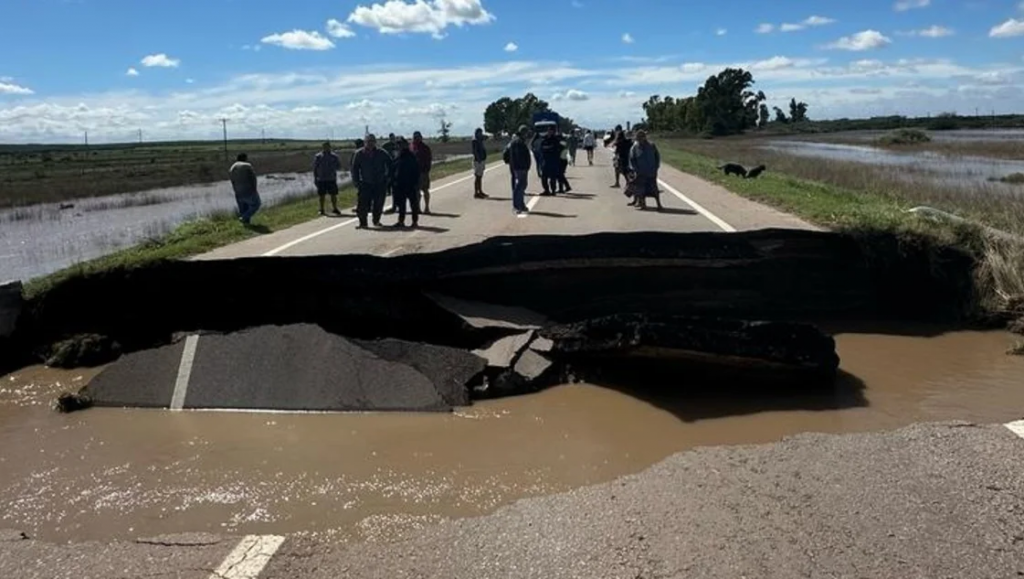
(753, 173)
(734, 169)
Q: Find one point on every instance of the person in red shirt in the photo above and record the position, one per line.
(425, 159)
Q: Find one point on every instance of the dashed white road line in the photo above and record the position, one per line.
(1016, 427)
(698, 208)
(316, 234)
(188, 356)
(249, 557)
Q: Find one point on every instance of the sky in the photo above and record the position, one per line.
(300, 69)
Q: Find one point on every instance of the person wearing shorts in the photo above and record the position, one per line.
(326, 165)
(479, 164)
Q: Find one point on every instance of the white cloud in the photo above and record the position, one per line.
(1011, 27)
(625, 94)
(688, 67)
(864, 40)
(773, 63)
(190, 81)
(420, 16)
(299, 40)
(628, 38)
(511, 47)
(721, 32)
(160, 60)
(571, 94)
(809, 22)
(339, 29)
(818, 21)
(252, 47)
(11, 88)
(132, 72)
(764, 28)
(904, 5)
(934, 31)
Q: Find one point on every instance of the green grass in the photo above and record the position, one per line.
(904, 137)
(820, 203)
(203, 235)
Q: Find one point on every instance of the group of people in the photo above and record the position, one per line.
(397, 168)
(636, 161)
(401, 170)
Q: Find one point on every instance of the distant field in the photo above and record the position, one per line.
(31, 174)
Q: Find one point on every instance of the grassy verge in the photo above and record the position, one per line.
(209, 233)
(868, 205)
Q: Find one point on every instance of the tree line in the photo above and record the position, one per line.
(505, 115)
(725, 105)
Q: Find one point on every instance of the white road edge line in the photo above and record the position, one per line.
(188, 356)
(698, 208)
(249, 557)
(1016, 427)
(316, 234)
(391, 252)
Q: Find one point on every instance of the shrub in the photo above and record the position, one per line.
(904, 137)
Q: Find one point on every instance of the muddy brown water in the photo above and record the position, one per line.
(109, 473)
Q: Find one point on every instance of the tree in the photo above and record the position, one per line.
(763, 116)
(780, 117)
(797, 111)
(505, 115)
(445, 132)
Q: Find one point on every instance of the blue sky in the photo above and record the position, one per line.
(309, 69)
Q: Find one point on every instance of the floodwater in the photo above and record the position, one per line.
(42, 239)
(109, 473)
(960, 135)
(958, 172)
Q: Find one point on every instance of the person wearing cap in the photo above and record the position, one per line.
(326, 165)
(406, 183)
(644, 162)
(371, 169)
(519, 163)
(425, 158)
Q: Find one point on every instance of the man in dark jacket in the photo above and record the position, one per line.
(391, 148)
(326, 165)
(406, 184)
(551, 153)
(479, 164)
(622, 146)
(371, 168)
(425, 159)
(519, 162)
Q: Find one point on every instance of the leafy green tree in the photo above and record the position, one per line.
(797, 111)
(763, 115)
(506, 114)
(780, 117)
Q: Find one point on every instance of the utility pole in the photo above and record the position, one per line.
(86, 138)
(224, 123)
(140, 135)
(263, 136)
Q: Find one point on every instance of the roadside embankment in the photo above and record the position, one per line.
(856, 200)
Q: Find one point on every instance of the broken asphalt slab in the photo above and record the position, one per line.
(298, 368)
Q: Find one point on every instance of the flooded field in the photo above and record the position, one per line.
(41, 239)
(107, 473)
(963, 171)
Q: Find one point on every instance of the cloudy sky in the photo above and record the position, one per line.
(330, 67)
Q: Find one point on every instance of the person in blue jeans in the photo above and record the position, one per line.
(519, 161)
(243, 181)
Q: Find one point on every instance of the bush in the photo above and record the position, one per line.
(1012, 178)
(904, 137)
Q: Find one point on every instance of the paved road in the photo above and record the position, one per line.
(928, 501)
(593, 206)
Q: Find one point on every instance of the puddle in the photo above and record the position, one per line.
(107, 473)
(41, 239)
(952, 172)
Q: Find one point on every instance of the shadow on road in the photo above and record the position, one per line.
(261, 229)
(445, 215)
(672, 211)
(583, 196)
(708, 393)
(553, 214)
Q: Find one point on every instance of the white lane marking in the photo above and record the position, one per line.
(698, 208)
(188, 356)
(533, 202)
(249, 557)
(1016, 427)
(316, 234)
(391, 252)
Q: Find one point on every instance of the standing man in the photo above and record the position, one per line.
(644, 161)
(551, 160)
(406, 184)
(391, 148)
(573, 143)
(425, 159)
(243, 181)
(479, 164)
(588, 146)
(622, 147)
(358, 144)
(519, 162)
(325, 174)
(371, 169)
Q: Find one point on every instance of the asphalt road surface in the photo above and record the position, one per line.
(929, 501)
